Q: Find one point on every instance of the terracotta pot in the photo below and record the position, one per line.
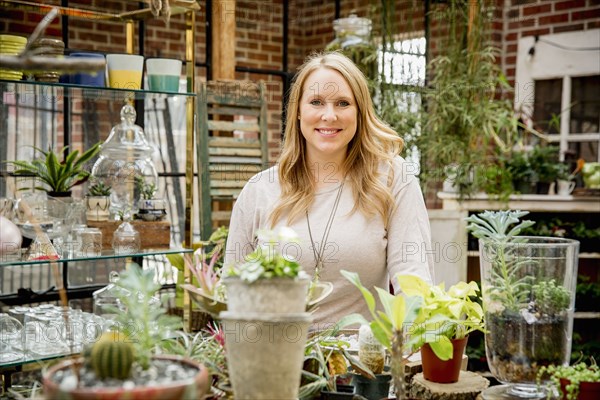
(189, 388)
(436, 370)
(587, 390)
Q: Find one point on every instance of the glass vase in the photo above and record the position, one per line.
(528, 291)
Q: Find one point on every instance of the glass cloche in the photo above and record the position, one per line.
(125, 160)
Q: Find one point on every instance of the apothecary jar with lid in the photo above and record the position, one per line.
(126, 159)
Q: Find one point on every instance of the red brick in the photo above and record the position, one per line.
(524, 23)
(568, 5)
(510, 60)
(554, 19)
(538, 9)
(587, 14)
(511, 48)
(533, 32)
(567, 28)
(592, 24)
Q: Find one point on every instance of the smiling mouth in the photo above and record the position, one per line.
(328, 131)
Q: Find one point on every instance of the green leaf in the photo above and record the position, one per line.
(442, 348)
(368, 296)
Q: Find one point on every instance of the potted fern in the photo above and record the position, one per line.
(57, 177)
(97, 202)
(124, 363)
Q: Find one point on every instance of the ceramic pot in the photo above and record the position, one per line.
(436, 370)
(97, 208)
(189, 388)
(587, 390)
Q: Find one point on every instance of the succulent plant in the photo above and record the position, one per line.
(99, 189)
(112, 356)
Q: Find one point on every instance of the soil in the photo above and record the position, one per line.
(516, 349)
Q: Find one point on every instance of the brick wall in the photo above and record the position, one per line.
(259, 33)
(523, 18)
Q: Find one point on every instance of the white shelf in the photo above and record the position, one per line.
(529, 202)
(586, 315)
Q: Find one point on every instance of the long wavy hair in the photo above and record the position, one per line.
(373, 143)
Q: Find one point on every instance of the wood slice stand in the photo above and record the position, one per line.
(153, 234)
(468, 387)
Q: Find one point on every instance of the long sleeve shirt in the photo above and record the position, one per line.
(355, 243)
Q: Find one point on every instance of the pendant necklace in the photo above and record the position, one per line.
(319, 254)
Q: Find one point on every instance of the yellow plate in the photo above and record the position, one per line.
(13, 39)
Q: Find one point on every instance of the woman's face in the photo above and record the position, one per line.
(328, 116)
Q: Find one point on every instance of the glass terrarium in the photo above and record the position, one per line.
(353, 38)
(528, 293)
(125, 159)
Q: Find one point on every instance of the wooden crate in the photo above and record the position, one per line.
(154, 234)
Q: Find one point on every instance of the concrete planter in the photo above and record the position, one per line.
(268, 353)
(278, 295)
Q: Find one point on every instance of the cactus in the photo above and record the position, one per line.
(112, 356)
(370, 351)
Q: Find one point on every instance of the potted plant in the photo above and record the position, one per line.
(372, 355)
(544, 161)
(57, 176)
(97, 202)
(327, 363)
(150, 208)
(578, 381)
(443, 324)
(266, 302)
(524, 178)
(129, 353)
(528, 286)
(388, 325)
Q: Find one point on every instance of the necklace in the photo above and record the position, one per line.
(319, 254)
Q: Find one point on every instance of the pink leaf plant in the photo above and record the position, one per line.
(206, 274)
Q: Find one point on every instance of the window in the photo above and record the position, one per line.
(557, 86)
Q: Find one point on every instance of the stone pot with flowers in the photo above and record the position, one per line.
(97, 202)
(125, 362)
(150, 208)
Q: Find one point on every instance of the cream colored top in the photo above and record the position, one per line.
(355, 243)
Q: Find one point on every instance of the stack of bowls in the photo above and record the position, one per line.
(47, 47)
(11, 45)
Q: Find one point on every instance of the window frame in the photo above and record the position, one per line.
(549, 61)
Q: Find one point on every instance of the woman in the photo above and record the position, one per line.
(342, 187)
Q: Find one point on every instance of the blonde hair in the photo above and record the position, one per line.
(373, 143)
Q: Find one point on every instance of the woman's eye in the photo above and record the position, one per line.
(315, 102)
(343, 103)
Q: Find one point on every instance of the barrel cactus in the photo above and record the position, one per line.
(112, 356)
(370, 351)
